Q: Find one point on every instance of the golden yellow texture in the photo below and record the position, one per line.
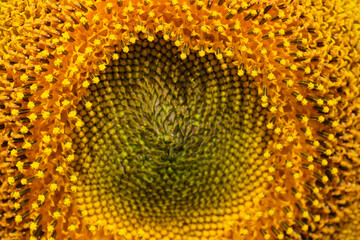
(294, 63)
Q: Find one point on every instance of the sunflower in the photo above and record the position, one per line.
(141, 119)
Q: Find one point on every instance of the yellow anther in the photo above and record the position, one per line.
(27, 145)
(46, 139)
(68, 145)
(18, 219)
(70, 158)
(289, 231)
(290, 83)
(273, 109)
(50, 228)
(88, 50)
(201, 53)
(256, 30)
(243, 48)
(35, 165)
(72, 114)
(83, 20)
(13, 152)
(271, 76)
(308, 132)
(270, 125)
(305, 227)
(85, 84)
(56, 214)
(58, 62)
(326, 109)
(166, 37)
(283, 62)
(305, 120)
(96, 80)
(96, 19)
(331, 137)
(31, 105)
(150, 38)
(16, 195)
(240, 72)
(311, 85)
(67, 201)
(73, 178)
(97, 42)
(40, 174)
(49, 78)
(111, 37)
(24, 78)
(221, 29)
(56, 130)
(60, 49)
(183, 56)
(14, 112)
(88, 105)
(68, 25)
(299, 97)
(72, 227)
(84, 213)
(100, 223)
(35, 206)
(45, 94)
(20, 165)
(11, 180)
(307, 70)
(203, 28)
(126, 49)
(102, 67)
(24, 129)
(80, 59)
(118, 26)
(254, 73)
(19, 95)
(66, 35)
(281, 14)
(267, 154)
(17, 205)
(73, 188)
(328, 152)
(60, 169)
(311, 167)
(65, 102)
(115, 56)
(92, 228)
(79, 123)
(219, 56)
(279, 146)
(53, 187)
(151, 14)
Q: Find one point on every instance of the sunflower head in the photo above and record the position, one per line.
(179, 119)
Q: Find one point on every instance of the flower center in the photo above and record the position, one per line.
(169, 141)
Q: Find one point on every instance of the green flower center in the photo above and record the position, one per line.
(168, 138)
